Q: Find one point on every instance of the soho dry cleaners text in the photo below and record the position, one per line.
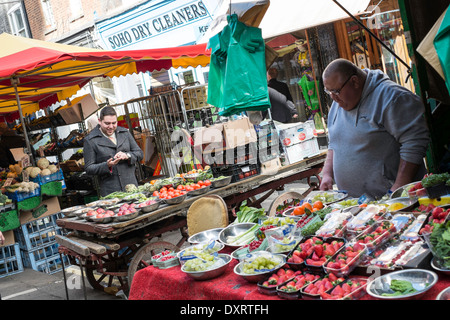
(158, 25)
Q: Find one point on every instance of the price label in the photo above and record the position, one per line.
(25, 176)
(25, 161)
(8, 182)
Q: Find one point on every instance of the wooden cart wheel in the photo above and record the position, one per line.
(142, 258)
(110, 270)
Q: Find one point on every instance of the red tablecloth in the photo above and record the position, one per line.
(152, 283)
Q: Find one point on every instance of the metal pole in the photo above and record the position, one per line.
(14, 82)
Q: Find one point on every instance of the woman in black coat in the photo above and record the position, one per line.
(111, 154)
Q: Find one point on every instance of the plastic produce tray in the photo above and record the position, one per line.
(10, 260)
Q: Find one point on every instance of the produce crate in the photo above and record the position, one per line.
(53, 188)
(9, 220)
(40, 179)
(21, 196)
(8, 207)
(438, 191)
(10, 260)
(38, 233)
(45, 259)
(237, 172)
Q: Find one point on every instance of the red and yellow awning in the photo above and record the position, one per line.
(48, 72)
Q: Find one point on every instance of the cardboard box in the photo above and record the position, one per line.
(270, 167)
(295, 133)
(9, 238)
(299, 151)
(239, 133)
(47, 207)
(78, 109)
(207, 135)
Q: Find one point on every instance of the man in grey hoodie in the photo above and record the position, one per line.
(378, 135)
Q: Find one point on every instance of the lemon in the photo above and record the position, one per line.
(396, 206)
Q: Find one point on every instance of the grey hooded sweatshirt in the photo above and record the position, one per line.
(369, 140)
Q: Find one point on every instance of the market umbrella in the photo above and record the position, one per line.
(34, 74)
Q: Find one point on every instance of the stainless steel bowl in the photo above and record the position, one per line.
(71, 212)
(217, 247)
(422, 280)
(96, 220)
(176, 200)
(221, 182)
(260, 276)
(438, 267)
(234, 230)
(211, 273)
(103, 203)
(151, 207)
(205, 236)
(409, 203)
(444, 294)
(80, 212)
(126, 217)
(200, 191)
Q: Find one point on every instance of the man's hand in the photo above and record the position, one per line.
(121, 156)
(112, 162)
(2, 238)
(326, 183)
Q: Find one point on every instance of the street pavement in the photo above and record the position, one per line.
(35, 285)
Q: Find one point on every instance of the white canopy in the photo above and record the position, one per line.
(284, 16)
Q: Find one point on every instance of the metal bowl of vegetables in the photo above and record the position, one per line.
(215, 270)
(437, 265)
(220, 181)
(205, 236)
(400, 204)
(176, 200)
(238, 234)
(72, 211)
(197, 192)
(444, 294)
(254, 270)
(408, 284)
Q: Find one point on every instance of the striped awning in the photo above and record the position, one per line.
(47, 72)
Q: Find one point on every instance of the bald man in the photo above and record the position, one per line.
(377, 132)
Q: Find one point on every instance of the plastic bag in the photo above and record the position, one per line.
(238, 83)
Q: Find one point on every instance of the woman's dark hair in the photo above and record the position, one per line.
(107, 111)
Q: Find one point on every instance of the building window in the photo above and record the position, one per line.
(17, 22)
(48, 14)
(76, 9)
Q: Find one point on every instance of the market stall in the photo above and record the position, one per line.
(389, 249)
(131, 236)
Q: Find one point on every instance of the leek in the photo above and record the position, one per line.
(243, 238)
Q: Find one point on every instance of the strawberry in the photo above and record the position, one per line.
(281, 272)
(318, 250)
(289, 273)
(338, 291)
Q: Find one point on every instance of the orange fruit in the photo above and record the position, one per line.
(298, 211)
(307, 205)
(318, 205)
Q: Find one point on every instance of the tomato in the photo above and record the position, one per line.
(171, 189)
(168, 197)
(163, 189)
(196, 186)
(180, 187)
(200, 182)
(207, 183)
(155, 193)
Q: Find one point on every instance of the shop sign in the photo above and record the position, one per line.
(156, 24)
